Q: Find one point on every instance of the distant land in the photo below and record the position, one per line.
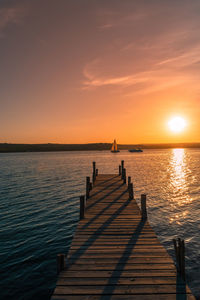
(8, 147)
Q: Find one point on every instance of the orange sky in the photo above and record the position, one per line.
(91, 71)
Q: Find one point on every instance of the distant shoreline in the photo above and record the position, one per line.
(8, 147)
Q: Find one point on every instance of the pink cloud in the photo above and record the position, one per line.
(170, 61)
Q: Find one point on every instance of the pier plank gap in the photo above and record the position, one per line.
(115, 254)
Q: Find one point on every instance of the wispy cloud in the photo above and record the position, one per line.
(10, 15)
(159, 82)
(94, 81)
(116, 18)
(162, 74)
(168, 61)
(189, 57)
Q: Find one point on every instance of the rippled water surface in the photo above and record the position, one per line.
(39, 209)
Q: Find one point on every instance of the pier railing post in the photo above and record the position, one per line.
(82, 207)
(94, 171)
(87, 187)
(129, 180)
(143, 206)
(60, 262)
(120, 170)
(124, 175)
(130, 189)
(179, 246)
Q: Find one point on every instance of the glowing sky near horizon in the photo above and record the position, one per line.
(91, 71)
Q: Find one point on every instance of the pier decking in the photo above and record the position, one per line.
(115, 254)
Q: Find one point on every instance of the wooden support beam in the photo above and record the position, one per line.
(124, 175)
(60, 262)
(183, 259)
(129, 180)
(87, 187)
(143, 206)
(120, 170)
(97, 172)
(179, 247)
(94, 171)
(130, 190)
(82, 207)
(122, 164)
(94, 166)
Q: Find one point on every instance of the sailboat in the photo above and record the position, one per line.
(114, 147)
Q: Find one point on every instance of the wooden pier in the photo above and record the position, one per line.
(115, 254)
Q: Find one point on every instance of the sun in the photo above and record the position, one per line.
(177, 124)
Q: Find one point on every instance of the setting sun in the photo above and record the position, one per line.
(177, 124)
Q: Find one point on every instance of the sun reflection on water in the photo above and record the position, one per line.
(178, 169)
(178, 180)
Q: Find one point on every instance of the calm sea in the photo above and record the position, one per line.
(39, 209)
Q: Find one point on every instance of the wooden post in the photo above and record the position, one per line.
(94, 171)
(97, 172)
(94, 167)
(176, 250)
(90, 186)
(179, 247)
(183, 259)
(130, 189)
(82, 207)
(87, 187)
(179, 254)
(120, 170)
(93, 177)
(124, 176)
(129, 180)
(143, 206)
(60, 262)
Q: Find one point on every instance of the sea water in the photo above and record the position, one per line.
(39, 209)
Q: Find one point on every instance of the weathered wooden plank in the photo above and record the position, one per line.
(112, 230)
(101, 239)
(113, 242)
(121, 281)
(119, 267)
(117, 238)
(118, 255)
(120, 289)
(119, 274)
(113, 248)
(127, 260)
(117, 251)
(105, 224)
(126, 297)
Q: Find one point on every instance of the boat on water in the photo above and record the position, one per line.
(114, 148)
(135, 150)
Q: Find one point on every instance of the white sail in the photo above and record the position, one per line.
(114, 146)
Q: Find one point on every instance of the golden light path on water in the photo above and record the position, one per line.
(178, 179)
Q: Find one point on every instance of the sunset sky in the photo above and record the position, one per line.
(81, 71)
